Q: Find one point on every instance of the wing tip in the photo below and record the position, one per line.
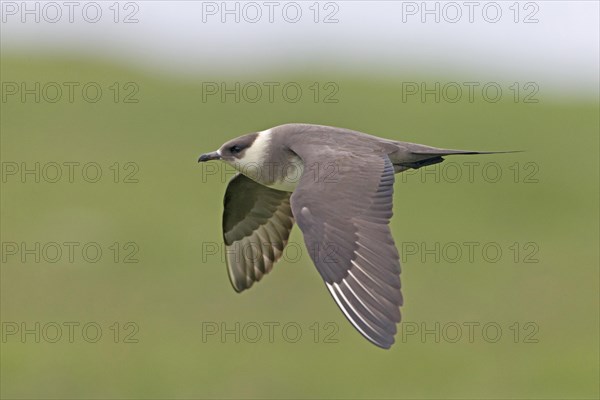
(385, 346)
(379, 338)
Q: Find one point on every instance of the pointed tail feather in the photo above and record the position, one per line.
(447, 152)
(431, 155)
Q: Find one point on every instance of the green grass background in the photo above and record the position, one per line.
(171, 212)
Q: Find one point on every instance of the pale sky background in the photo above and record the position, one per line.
(560, 51)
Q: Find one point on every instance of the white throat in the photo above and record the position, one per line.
(255, 154)
(280, 177)
(252, 163)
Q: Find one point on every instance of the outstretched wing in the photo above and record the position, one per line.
(257, 221)
(343, 204)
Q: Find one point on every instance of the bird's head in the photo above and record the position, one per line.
(232, 151)
(243, 153)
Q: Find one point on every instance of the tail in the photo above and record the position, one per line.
(421, 156)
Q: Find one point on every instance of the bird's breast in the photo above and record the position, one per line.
(280, 175)
(284, 176)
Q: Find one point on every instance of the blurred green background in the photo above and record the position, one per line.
(177, 289)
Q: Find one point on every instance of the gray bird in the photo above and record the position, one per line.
(337, 184)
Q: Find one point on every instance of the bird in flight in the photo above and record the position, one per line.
(337, 185)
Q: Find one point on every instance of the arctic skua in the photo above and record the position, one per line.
(337, 185)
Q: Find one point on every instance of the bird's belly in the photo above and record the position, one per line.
(285, 186)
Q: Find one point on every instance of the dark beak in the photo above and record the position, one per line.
(209, 156)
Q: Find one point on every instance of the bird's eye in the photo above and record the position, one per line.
(235, 149)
